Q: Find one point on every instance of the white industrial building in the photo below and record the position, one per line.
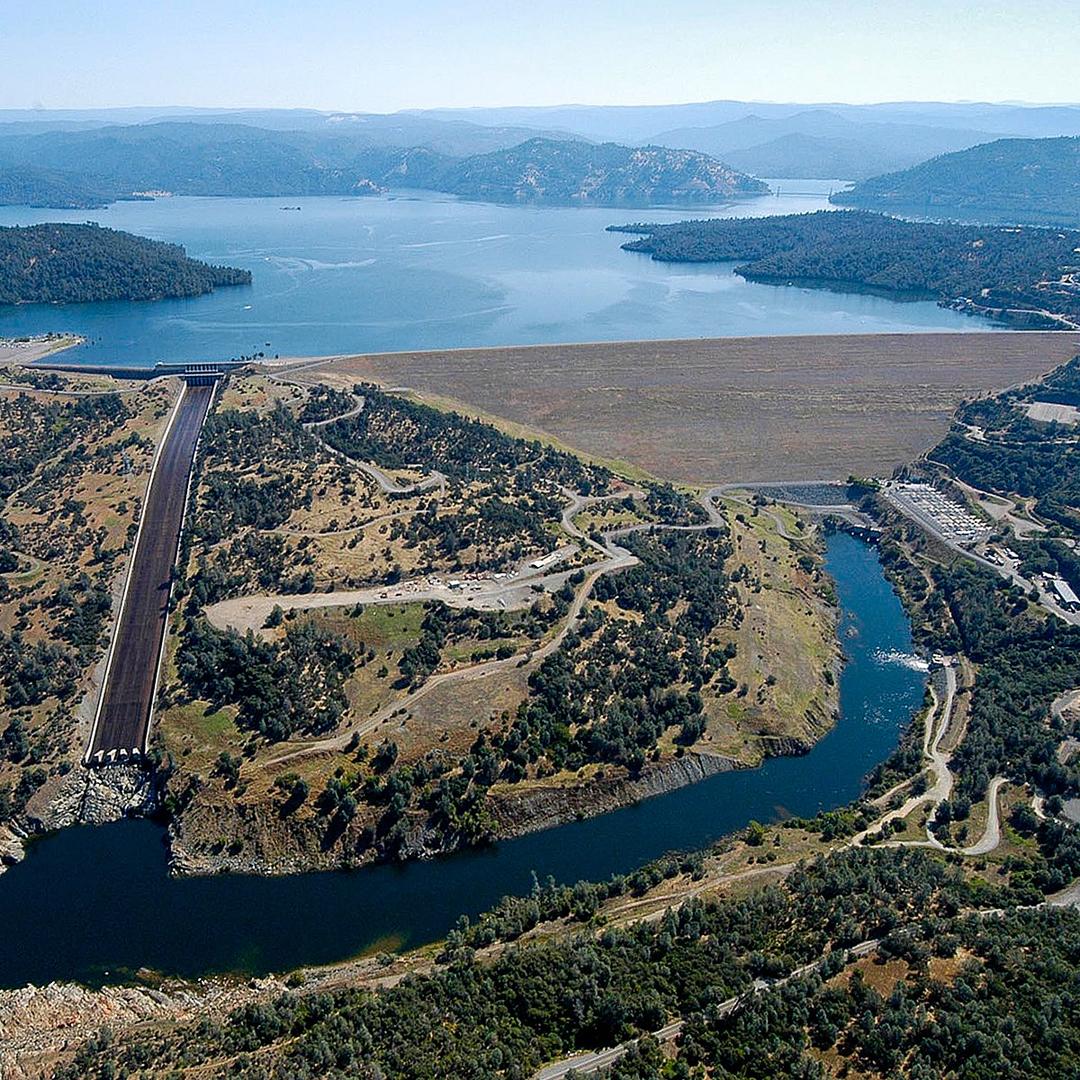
(1066, 596)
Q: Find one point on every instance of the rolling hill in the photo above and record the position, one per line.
(29, 185)
(643, 123)
(1025, 181)
(820, 143)
(543, 170)
(229, 159)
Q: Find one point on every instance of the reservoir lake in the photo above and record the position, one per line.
(428, 271)
(95, 904)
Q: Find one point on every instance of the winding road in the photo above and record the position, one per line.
(601, 1059)
(386, 483)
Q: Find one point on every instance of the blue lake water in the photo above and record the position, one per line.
(429, 271)
(95, 904)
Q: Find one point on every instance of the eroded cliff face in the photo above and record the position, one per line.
(543, 807)
(41, 1025)
(258, 839)
(81, 797)
(211, 838)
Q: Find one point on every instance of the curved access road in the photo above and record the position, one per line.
(386, 483)
(936, 725)
(991, 836)
(127, 697)
(619, 559)
(590, 1062)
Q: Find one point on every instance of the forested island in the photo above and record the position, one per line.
(87, 168)
(1026, 277)
(1014, 180)
(57, 263)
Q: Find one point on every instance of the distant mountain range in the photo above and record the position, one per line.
(820, 144)
(453, 137)
(87, 167)
(642, 123)
(832, 141)
(1032, 181)
(570, 154)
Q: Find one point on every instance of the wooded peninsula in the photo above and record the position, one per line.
(57, 263)
(1023, 276)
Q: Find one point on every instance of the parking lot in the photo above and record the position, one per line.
(934, 511)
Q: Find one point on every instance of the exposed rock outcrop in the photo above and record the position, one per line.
(40, 1024)
(81, 797)
(520, 812)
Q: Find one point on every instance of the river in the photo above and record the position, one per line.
(429, 271)
(96, 904)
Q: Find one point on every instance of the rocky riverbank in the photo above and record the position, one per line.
(82, 797)
(258, 840)
(42, 1025)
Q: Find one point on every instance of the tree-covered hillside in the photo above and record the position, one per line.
(30, 185)
(546, 170)
(239, 160)
(1016, 180)
(945, 993)
(1025, 276)
(75, 263)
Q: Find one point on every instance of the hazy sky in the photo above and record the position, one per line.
(368, 55)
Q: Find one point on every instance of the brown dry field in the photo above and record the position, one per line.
(725, 409)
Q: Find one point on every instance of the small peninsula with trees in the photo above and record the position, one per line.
(59, 263)
(1026, 277)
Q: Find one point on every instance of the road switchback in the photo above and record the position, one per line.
(127, 696)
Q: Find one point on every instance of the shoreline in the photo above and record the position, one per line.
(30, 350)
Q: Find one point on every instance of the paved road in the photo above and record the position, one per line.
(387, 484)
(123, 716)
(601, 1059)
(936, 725)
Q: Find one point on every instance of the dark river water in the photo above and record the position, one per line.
(95, 904)
(429, 271)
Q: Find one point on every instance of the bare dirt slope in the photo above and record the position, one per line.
(726, 409)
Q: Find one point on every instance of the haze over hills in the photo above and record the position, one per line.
(85, 168)
(821, 143)
(1015, 180)
(642, 123)
(829, 141)
(451, 136)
